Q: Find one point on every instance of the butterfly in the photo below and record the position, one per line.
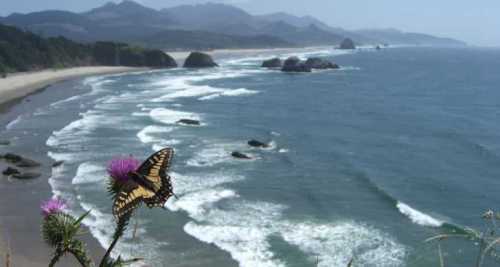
(149, 184)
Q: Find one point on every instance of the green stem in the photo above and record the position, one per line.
(56, 258)
(120, 229)
(480, 254)
(78, 251)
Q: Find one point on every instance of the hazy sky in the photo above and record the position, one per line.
(476, 22)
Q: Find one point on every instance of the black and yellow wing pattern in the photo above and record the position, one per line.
(149, 184)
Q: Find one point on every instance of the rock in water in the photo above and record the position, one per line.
(347, 44)
(12, 157)
(272, 63)
(240, 155)
(159, 59)
(26, 175)
(27, 163)
(199, 60)
(293, 64)
(378, 47)
(255, 143)
(20, 161)
(58, 163)
(189, 122)
(318, 63)
(10, 171)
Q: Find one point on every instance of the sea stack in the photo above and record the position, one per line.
(159, 59)
(272, 63)
(347, 44)
(293, 64)
(199, 60)
(318, 63)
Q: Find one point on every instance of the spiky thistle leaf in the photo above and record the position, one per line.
(59, 228)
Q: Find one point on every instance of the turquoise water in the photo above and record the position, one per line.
(365, 162)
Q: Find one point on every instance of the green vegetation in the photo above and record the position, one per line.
(25, 51)
(486, 240)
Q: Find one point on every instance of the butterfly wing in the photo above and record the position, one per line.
(149, 184)
(162, 195)
(153, 170)
(160, 160)
(130, 197)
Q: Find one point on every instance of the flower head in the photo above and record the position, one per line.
(52, 206)
(119, 168)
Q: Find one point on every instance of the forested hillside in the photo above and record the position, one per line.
(26, 51)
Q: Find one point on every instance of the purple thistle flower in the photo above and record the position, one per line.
(119, 168)
(54, 205)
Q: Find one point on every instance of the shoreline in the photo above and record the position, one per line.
(19, 85)
(19, 222)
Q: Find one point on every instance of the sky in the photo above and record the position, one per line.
(476, 22)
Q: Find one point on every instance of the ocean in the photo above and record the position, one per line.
(365, 162)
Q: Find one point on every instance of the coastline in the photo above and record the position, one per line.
(18, 85)
(19, 221)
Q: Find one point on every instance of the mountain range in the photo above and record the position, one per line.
(202, 26)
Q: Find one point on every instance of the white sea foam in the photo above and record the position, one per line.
(68, 156)
(165, 143)
(188, 183)
(186, 86)
(348, 68)
(213, 154)
(336, 244)
(198, 203)
(12, 123)
(170, 116)
(242, 231)
(73, 134)
(234, 92)
(69, 99)
(88, 173)
(418, 217)
(189, 91)
(146, 135)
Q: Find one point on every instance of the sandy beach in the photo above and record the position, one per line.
(20, 84)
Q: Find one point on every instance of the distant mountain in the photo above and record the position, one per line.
(205, 16)
(226, 19)
(54, 23)
(375, 36)
(130, 21)
(393, 36)
(296, 21)
(200, 40)
(306, 36)
(126, 14)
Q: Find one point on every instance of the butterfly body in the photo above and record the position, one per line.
(149, 184)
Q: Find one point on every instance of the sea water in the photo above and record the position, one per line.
(364, 164)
